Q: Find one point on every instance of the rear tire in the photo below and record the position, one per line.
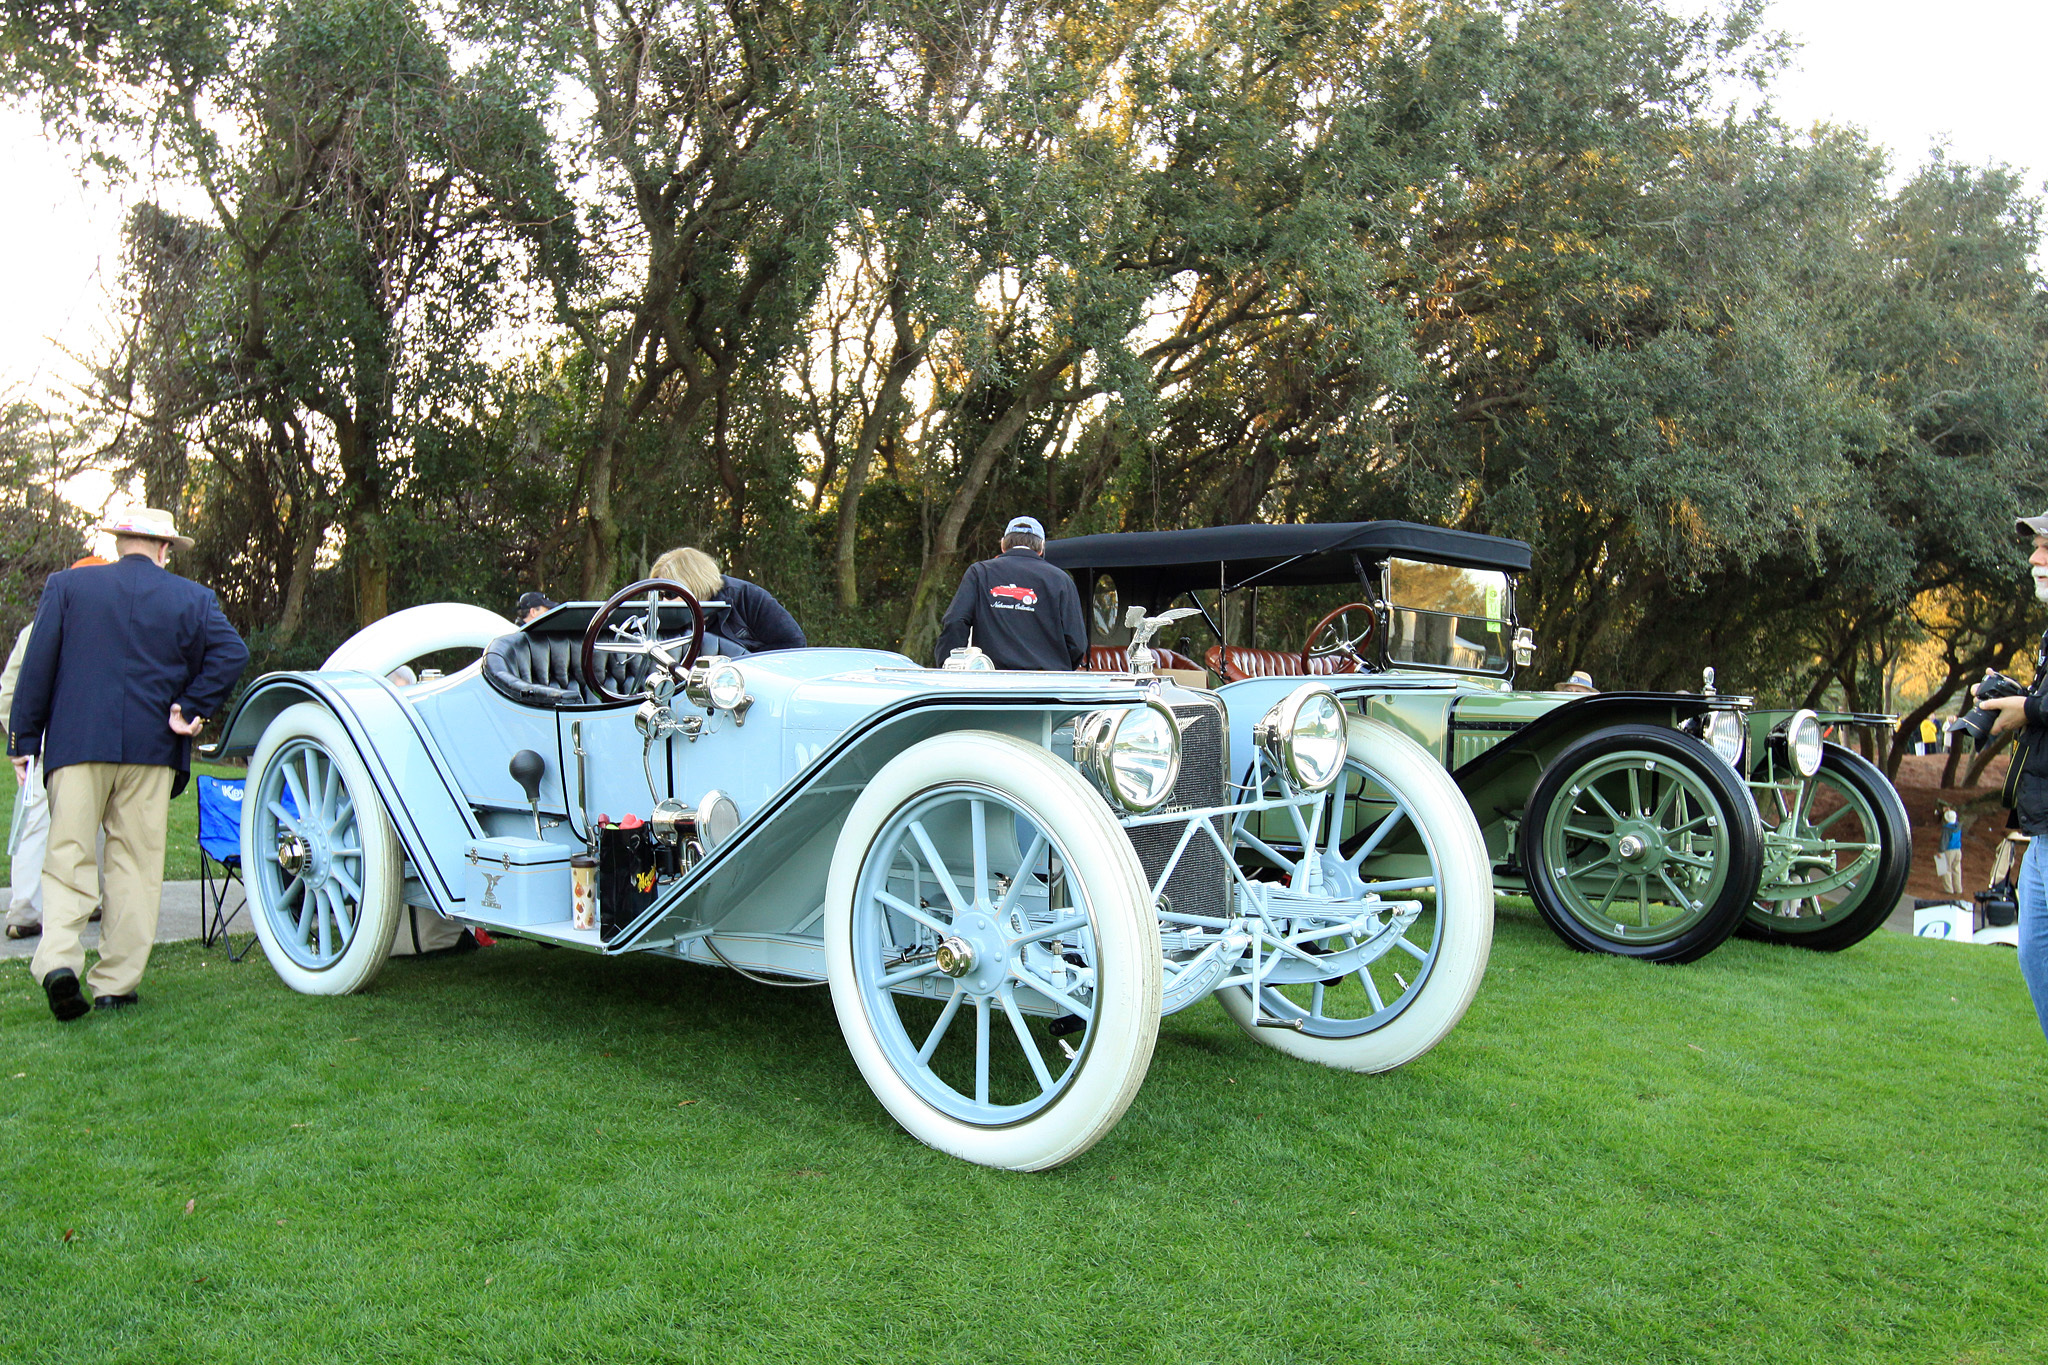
(1857, 805)
(320, 861)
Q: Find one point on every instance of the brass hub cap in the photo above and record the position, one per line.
(956, 957)
(292, 855)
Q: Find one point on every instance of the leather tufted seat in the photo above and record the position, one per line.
(547, 670)
(1114, 659)
(1234, 663)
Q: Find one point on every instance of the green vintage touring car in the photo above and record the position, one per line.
(1645, 824)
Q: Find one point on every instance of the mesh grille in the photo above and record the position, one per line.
(1201, 884)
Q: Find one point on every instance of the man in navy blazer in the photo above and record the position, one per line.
(124, 665)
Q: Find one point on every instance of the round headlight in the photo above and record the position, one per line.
(1803, 743)
(716, 684)
(1726, 735)
(1305, 736)
(1133, 754)
(726, 686)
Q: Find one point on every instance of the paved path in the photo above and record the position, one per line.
(178, 919)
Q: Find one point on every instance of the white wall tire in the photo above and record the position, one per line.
(1446, 950)
(1059, 900)
(320, 861)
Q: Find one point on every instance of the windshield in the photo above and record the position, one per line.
(1443, 616)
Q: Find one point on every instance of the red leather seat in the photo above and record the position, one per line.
(1234, 663)
(1113, 659)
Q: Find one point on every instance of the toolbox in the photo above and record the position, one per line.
(517, 881)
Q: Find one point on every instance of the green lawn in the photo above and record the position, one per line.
(539, 1155)
(181, 842)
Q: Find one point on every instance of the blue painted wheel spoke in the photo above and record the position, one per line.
(1025, 1041)
(1398, 884)
(1051, 992)
(1036, 934)
(981, 1049)
(327, 791)
(894, 979)
(1024, 875)
(945, 1021)
(940, 872)
(905, 908)
(348, 883)
(284, 817)
(1393, 820)
(1266, 851)
(977, 818)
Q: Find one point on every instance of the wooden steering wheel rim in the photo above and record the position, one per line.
(1372, 628)
(667, 588)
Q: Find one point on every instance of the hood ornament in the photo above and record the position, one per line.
(1143, 660)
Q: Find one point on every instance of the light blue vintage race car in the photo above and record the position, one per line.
(1006, 878)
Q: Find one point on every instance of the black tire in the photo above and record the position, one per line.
(1635, 823)
(1831, 922)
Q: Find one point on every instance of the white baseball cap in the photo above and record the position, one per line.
(1025, 524)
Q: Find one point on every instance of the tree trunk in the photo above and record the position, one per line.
(312, 527)
(935, 579)
(902, 364)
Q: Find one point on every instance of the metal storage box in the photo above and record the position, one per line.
(518, 881)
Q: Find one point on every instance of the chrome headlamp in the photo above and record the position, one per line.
(1796, 742)
(717, 684)
(1133, 754)
(1304, 736)
(1727, 735)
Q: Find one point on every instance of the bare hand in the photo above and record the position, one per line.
(21, 772)
(181, 726)
(2008, 713)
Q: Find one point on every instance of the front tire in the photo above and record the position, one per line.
(980, 858)
(1401, 820)
(1641, 843)
(320, 860)
(1848, 814)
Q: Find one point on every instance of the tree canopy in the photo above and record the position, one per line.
(519, 295)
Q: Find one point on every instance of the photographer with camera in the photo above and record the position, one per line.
(2026, 786)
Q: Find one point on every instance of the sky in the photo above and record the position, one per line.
(1911, 75)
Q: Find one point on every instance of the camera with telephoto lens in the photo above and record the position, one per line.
(1978, 720)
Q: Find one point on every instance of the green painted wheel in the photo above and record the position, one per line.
(1642, 843)
(1837, 853)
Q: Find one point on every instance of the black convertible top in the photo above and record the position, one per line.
(1171, 562)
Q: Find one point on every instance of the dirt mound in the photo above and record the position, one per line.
(1919, 784)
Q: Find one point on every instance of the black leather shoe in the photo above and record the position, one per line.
(115, 1002)
(21, 931)
(66, 1002)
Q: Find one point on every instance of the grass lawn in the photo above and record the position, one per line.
(181, 841)
(538, 1155)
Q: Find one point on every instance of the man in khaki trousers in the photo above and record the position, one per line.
(124, 664)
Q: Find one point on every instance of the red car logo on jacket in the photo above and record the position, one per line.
(1023, 597)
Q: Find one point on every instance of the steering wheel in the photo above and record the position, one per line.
(646, 645)
(1333, 637)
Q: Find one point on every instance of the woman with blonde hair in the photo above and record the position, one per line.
(750, 617)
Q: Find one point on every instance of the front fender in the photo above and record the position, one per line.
(413, 780)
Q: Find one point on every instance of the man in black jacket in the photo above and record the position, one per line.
(2030, 799)
(1016, 608)
(124, 665)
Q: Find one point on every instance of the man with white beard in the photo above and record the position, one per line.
(2030, 791)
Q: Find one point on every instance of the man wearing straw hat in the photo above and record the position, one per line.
(124, 665)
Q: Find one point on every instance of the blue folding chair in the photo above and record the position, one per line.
(220, 847)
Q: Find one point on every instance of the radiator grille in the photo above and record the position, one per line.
(1201, 884)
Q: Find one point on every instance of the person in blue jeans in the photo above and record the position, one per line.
(2029, 714)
